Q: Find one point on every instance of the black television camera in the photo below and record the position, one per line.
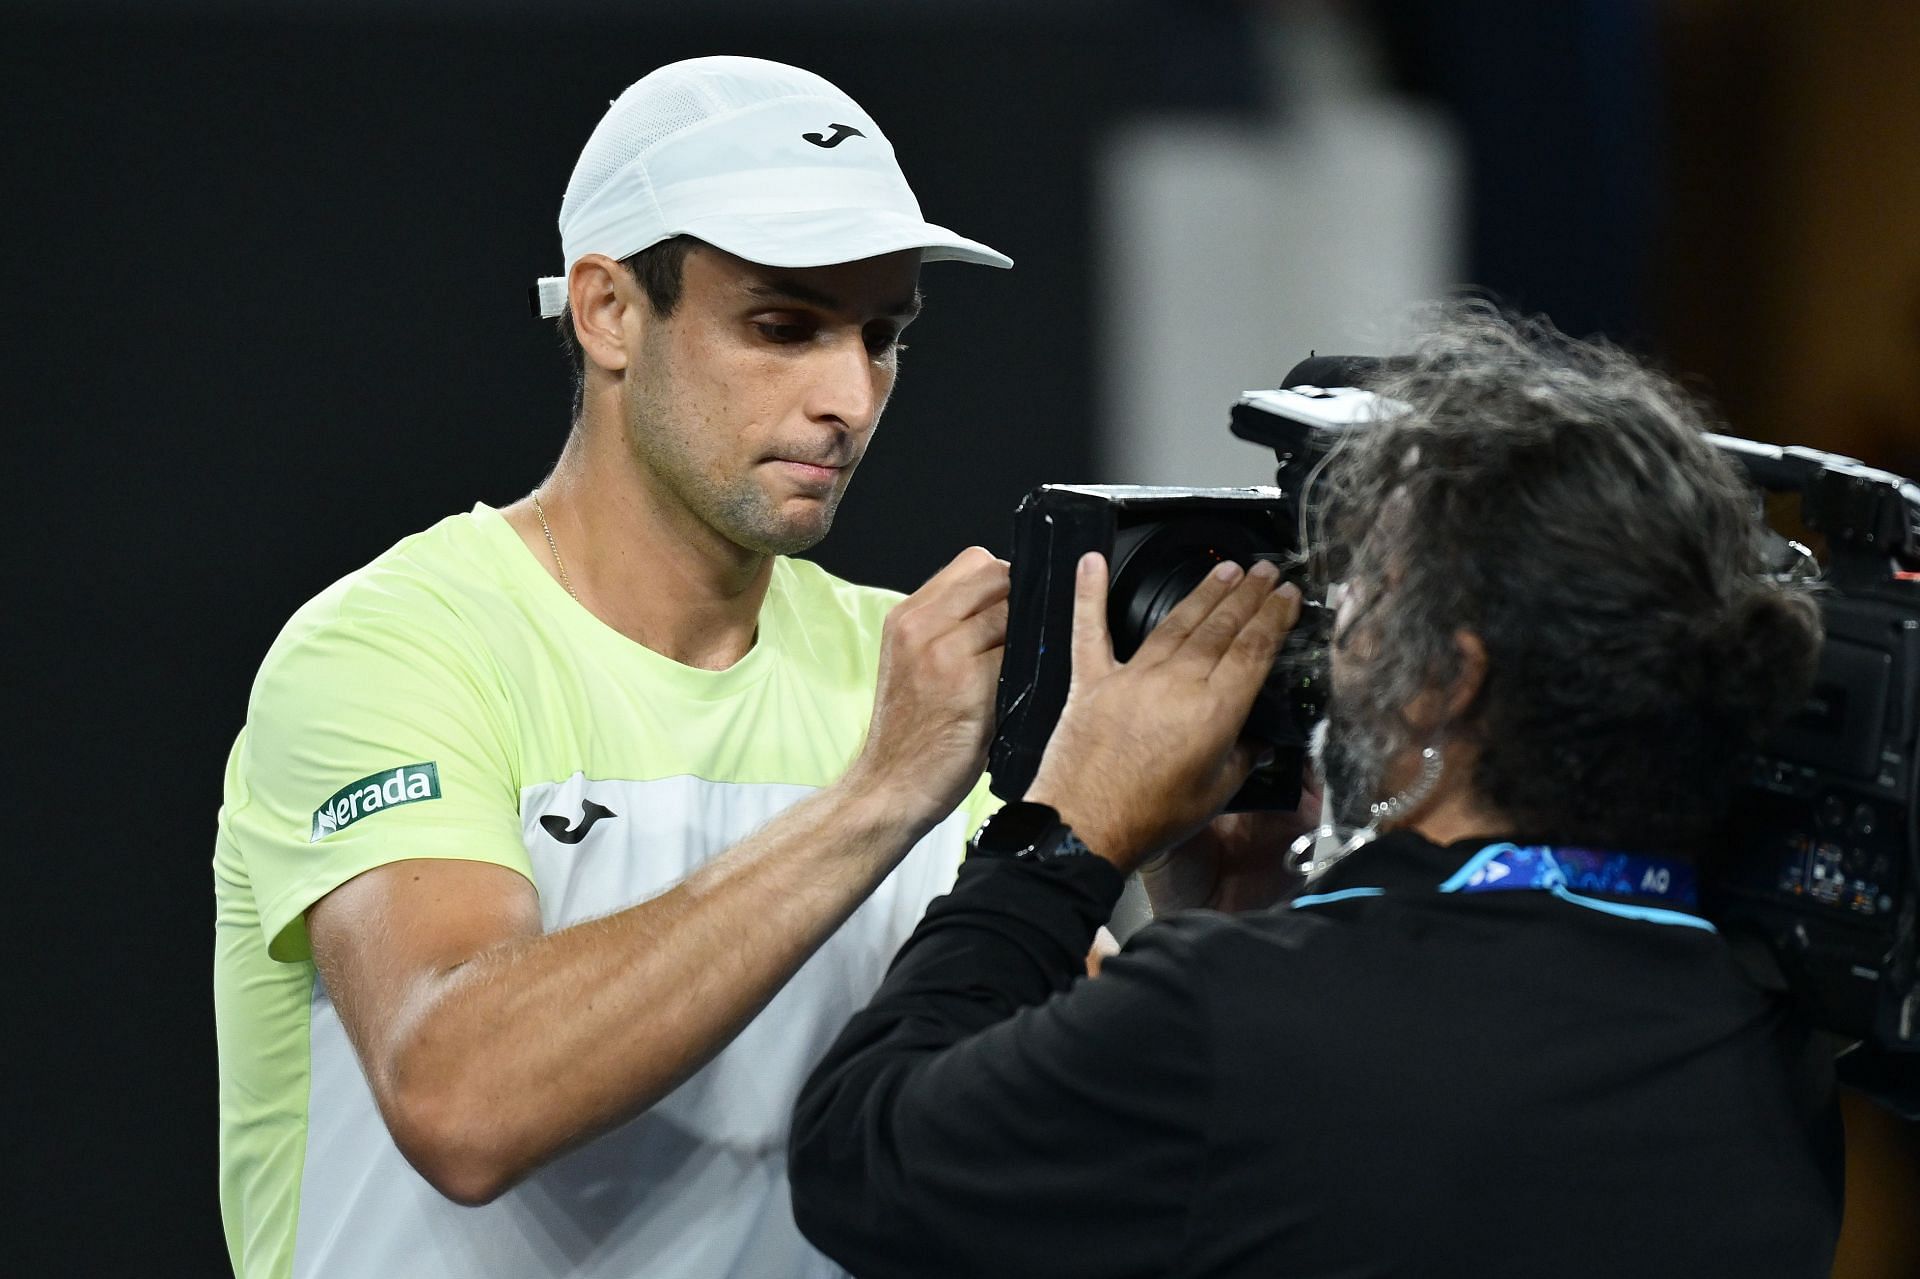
(1828, 823)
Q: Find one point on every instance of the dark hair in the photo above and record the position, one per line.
(1555, 498)
(659, 268)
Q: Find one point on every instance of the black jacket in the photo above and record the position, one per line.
(1414, 1083)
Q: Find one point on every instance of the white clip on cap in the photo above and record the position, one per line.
(765, 161)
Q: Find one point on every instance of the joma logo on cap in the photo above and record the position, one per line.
(841, 132)
(403, 785)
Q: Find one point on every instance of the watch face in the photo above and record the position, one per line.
(1015, 827)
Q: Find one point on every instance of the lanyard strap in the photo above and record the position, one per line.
(1570, 874)
(1509, 867)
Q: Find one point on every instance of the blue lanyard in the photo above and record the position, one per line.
(1569, 874)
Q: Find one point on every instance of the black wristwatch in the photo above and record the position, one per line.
(1028, 832)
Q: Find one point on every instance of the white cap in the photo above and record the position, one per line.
(768, 162)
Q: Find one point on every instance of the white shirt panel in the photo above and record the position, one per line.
(694, 1189)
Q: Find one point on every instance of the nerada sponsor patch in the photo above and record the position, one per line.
(407, 784)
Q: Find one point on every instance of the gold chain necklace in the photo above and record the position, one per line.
(553, 546)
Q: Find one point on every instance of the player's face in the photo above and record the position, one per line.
(755, 399)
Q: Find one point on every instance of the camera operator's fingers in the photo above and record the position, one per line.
(1210, 640)
(1189, 613)
(1250, 656)
(1309, 809)
(1092, 647)
(1245, 755)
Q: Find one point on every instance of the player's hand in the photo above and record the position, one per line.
(1146, 750)
(933, 709)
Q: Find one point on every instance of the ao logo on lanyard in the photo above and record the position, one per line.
(1569, 874)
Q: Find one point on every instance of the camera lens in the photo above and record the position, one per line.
(1157, 564)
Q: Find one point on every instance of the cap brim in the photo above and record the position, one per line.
(822, 238)
(829, 237)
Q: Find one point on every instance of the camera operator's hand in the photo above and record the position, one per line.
(1145, 750)
(1236, 862)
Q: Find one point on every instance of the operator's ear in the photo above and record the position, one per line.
(601, 301)
(1473, 673)
(1437, 706)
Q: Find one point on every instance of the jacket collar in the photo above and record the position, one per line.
(1402, 859)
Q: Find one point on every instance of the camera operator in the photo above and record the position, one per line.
(1498, 1039)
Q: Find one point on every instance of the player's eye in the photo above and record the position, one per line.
(785, 332)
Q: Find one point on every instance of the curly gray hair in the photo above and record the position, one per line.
(1555, 498)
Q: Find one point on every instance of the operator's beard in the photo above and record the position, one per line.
(1351, 759)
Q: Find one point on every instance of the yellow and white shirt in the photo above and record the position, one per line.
(450, 700)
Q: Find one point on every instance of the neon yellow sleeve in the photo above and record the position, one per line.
(980, 804)
(374, 734)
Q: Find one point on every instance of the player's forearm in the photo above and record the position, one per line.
(541, 1043)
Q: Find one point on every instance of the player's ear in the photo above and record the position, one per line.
(600, 297)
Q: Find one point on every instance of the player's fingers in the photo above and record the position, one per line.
(974, 579)
(1092, 648)
(985, 630)
(1104, 946)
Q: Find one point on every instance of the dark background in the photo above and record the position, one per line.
(266, 279)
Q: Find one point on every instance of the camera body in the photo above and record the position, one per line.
(1159, 543)
(1825, 865)
(1825, 834)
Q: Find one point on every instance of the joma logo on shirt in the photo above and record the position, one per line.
(402, 785)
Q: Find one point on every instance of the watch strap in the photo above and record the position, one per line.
(1026, 831)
